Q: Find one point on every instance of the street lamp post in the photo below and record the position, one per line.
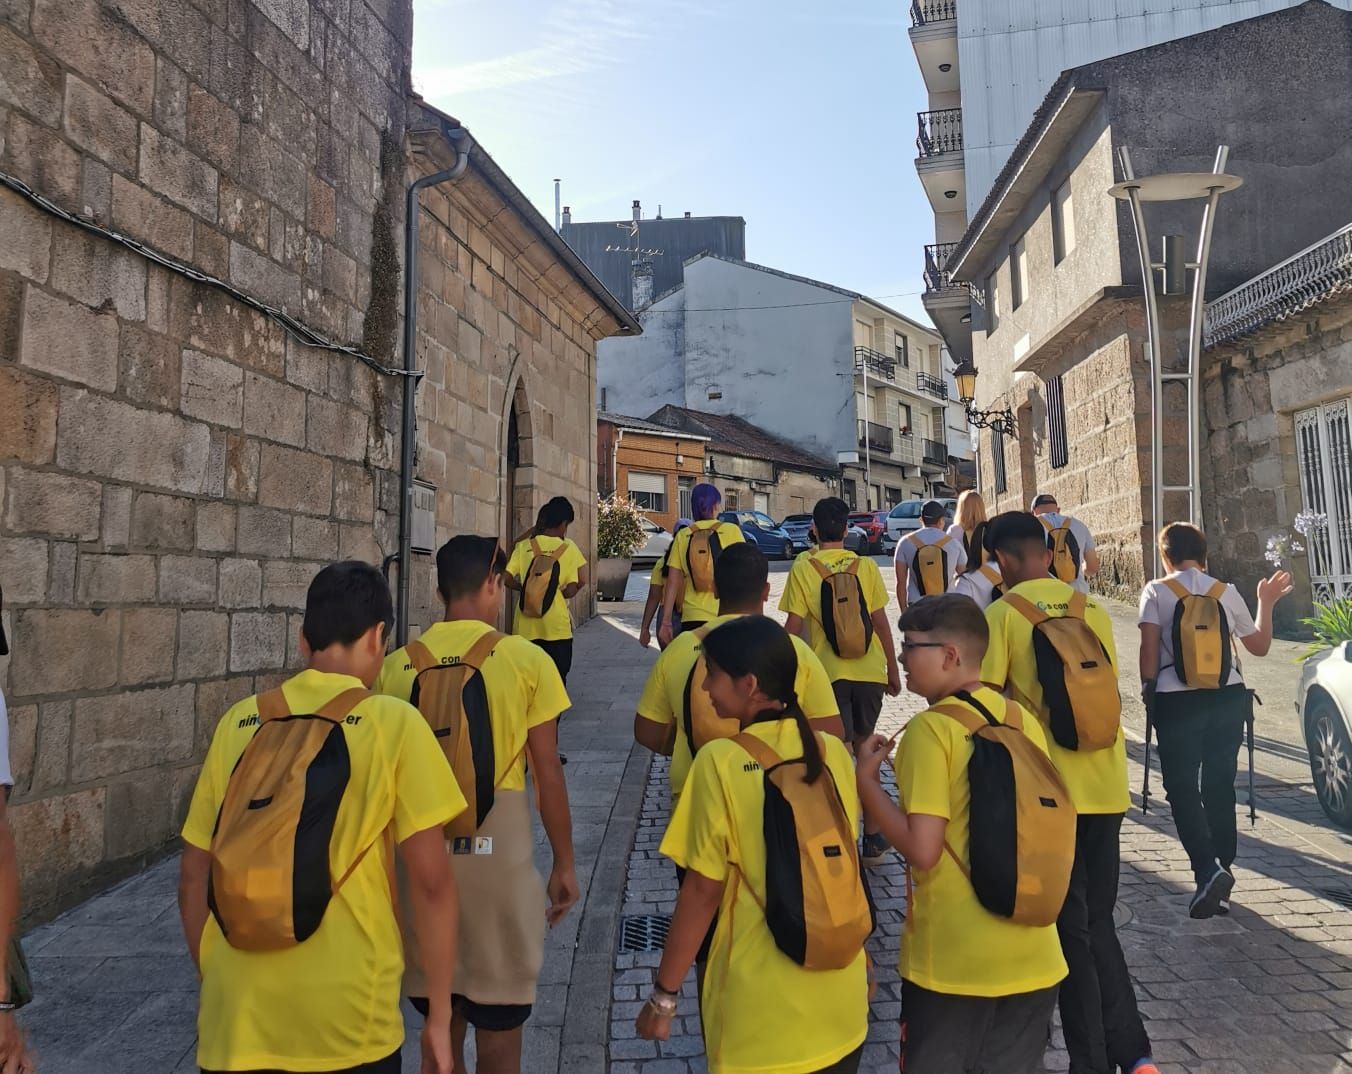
(1000, 421)
(1177, 186)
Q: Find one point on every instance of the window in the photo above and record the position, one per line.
(1018, 273)
(1063, 222)
(992, 304)
(903, 349)
(863, 334)
(877, 498)
(761, 505)
(904, 412)
(848, 491)
(893, 495)
(684, 485)
(998, 461)
(648, 491)
(730, 502)
(1056, 424)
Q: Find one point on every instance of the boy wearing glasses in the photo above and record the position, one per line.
(977, 990)
(503, 909)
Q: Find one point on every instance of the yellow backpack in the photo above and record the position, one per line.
(701, 555)
(541, 584)
(701, 720)
(815, 904)
(1201, 637)
(270, 881)
(992, 575)
(845, 615)
(453, 699)
(931, 565)
(1079, 685)
(1021, 821)
(1065, 550)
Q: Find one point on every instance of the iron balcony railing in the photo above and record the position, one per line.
(924, 12)
(931, 385)
(940, 132)
(934, 452)
(878, 365)
(936, 276)
(1283, 290)
(876, 437)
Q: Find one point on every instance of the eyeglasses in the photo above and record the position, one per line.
(907, 646)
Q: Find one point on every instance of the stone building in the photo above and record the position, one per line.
(653, 465)
(199, 396)
(1050, 260)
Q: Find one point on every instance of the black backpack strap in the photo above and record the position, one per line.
(966, 697)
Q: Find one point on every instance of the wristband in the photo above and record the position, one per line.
(663, 1003)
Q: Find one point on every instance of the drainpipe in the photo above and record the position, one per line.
(460, 138)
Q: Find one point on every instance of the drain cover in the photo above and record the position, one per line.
(644, 932)
(1342, 896)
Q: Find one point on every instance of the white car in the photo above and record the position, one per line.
(905, 518)
(656, 545)
(1324, 701)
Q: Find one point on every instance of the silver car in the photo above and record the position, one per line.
(1324, 701)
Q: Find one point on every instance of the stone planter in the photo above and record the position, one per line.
(612, 576)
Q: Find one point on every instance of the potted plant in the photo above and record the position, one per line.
(619, 534)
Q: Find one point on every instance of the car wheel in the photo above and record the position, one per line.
(1330, 760)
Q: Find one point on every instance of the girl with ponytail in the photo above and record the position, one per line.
(818, 1021)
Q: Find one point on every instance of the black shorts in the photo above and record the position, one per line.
(861, 703)
(492, 1017)
(391, 1064)
(941, 1033)
(561, 652)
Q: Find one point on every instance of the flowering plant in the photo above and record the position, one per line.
(619, 529)
(1282, 546)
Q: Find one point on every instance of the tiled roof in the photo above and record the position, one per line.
(737, 436)
(639, 425)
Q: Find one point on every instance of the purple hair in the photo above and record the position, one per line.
(704, 501)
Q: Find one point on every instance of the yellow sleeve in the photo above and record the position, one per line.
(550, 696)
(794, 600)
(570, 563)
(425, 792)
(995, 666)
(394, 680)
(730, 533)
(677, 555)
(654, 703)
(657, 578)
(875, 591)
(921, 764)
(207, 796)
(519, 562)
(813, 684)
(699, 835)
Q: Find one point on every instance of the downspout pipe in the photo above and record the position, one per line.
(459, 137)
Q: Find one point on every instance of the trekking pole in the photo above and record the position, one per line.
(1253, 805)
(1148, 696)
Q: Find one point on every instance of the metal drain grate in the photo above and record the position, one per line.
(1341, 896)
(644, 932)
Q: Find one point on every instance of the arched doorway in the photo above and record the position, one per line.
(518, 506)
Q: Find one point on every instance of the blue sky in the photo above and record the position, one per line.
(797, 115)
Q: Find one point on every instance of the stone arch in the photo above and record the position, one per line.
(517, 507)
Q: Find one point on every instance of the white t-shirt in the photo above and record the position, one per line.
(1157, 606)
(906, 551)
(978, 586)
(1083, 538)
(6, 778)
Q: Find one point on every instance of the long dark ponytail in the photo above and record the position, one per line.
(757, 645)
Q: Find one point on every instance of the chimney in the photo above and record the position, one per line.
(557, 221)
(687, 216)
(638, 212)
(567, 214)
(642, 280)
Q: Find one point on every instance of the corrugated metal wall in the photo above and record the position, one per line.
(1011, 51)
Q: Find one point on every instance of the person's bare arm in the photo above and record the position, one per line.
(696, 905)
(436, 923)
(652, 735)
(670, 594)
(882, 627)
(796, 625)
(572, 589)
(1150, 651)
(917, 837)
(551, 791)
(830, 725)
(13, 1050)
(193, 869)
(650, 607)
(903, 573)
(1091, 562)
(1270, 591)
(510, 580)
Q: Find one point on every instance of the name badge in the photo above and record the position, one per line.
(483, 844)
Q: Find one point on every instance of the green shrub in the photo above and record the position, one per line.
(1331, 623)
(619, 533)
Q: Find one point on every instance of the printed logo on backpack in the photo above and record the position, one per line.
(701, 721)
(815, 903)
(1079, 685)
(270, 881)
(844, 611)
(541, 584)
(1201, 637)
(1021, 822)
(453, 699)
(1065, 550)
(931, 565)
(701, 556)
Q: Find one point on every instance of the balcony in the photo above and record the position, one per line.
(936, 277)
(875, 437)
(946, 302)
(932, 385)
(934, 36)
(874, 364)
(939, 132)
(927, 12)
(940, 163)
(934, 453)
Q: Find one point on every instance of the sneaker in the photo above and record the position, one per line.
(563, 758)
(1145, 1066)
(874, 849)
(1211, 893)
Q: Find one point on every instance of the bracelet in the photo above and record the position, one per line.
(663, 1003)
(6, 1006)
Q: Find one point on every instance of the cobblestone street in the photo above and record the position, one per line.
(1267, 990)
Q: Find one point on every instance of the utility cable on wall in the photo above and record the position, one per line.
(294, 328)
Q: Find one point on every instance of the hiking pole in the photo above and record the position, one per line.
(1248, 727)
(1148, 697)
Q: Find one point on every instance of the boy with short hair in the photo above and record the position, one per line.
(1200, 730)
(1102, 1025)
(858, 682)
(502, 913)
(330, 1002)
(553, 630)
(910, 586)
(977, 989)
(1080, 540)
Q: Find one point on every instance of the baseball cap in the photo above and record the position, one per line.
(1043, 499)
(931, 510)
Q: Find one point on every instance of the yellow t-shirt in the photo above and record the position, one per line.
(663, 698)
(523, 687)
(802, 597)
(697, 607)
(557, 623)
(333, 1000)
(952, 943)
(1097, 779)
(762, 1011)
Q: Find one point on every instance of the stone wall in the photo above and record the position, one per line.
(1252, 389)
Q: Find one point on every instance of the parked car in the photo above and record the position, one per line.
(856, 540)
(1324, 701)
(762, 531)
(798, 527)
(874, 525)
(905, 518)
(655, 547)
